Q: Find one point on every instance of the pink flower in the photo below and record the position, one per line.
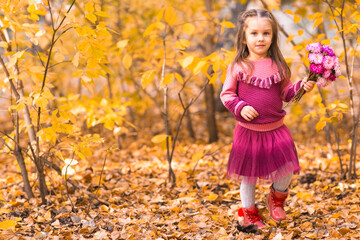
(326, 73)
(337, 72)
(329, 62)
(316, 58)
(314, 47)
(332, 77)
(322, 82)
(328, 50)
(316, 68)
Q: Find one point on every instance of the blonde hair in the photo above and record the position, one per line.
(242, 51)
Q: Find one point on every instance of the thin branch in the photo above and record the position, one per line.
(42, 63)
(66, 180)
(183, 115)
(58, 170)
(62, 21)
(97, 190)
(68, 61)
(3, 141)
(62, 34)
(51, 15)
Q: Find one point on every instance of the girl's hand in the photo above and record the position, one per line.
(308, 85)
(248, 113)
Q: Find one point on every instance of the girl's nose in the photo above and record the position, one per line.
(261, 37)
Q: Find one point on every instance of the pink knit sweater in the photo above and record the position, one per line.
(264, 90)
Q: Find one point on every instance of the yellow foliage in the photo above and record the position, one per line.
(147, 78)
(8, 224)
(170, 15)
(189, 28)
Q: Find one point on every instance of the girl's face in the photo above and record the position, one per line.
(258, 37)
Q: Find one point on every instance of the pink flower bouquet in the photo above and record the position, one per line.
(324, 67)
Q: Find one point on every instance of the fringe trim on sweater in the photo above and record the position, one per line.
(259, 82)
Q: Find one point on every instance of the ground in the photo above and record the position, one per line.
(135, 200)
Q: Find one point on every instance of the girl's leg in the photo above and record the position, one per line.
(249, 211)
(277, 196)
(283, 183)
(247, 193)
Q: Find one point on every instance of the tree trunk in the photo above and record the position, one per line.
(210, 113)
(209, 47)
(24, 173)
(190, 125)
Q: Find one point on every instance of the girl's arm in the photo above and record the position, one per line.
(229, 96)
(288, 89)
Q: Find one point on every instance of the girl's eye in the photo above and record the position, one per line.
(266, 33)
(253, 33)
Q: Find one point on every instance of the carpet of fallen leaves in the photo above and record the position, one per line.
(135, 201)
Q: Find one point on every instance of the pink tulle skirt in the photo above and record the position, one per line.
(262, 155)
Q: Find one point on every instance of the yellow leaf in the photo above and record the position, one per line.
(169, 78)
(288, 11)
(320, 125)
(183, 225)
(147, 78)
(290, 38)
(59, 57)
(343, 105)
(91, 63)
(326, 42)
(122, 43)
(8, 224)
(300, 32)
(189, 28)
(304, 195)
(127, 61)
(104, 208)
(170, 15)
(212, 197)
(227, 24)
(4, 210)
(197, 156)
(344, 231)
(187, 61)
(179, 78)
(83, 46)
(306, 118)
(152, 27)
(41, 102)
(297, 19)
(214, 77)
(4, 44)
(159, 138)
(48, 216)
(182, 44)
(75, 60)
(91, 17)
(89, 7)
(102, 14)
(317, 22)
(199, 67)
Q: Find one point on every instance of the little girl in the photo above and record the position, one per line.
(257, 83)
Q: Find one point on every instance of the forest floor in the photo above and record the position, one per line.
(135, 200)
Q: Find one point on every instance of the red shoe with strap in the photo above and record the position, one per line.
(275, 201)
(250, 216)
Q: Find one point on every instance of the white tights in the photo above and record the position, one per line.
(247, 190)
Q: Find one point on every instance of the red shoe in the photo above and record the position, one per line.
(275, 201)
(250, 216)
